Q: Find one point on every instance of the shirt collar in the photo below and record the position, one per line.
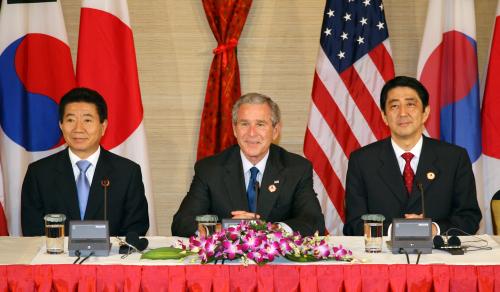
(261, 165)
(92, 158)
(416, 150)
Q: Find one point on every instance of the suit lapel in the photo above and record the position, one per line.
(95, 203)
(270, 186)
(390, 173)
(235, 181)
(66, 185)
(426, 171)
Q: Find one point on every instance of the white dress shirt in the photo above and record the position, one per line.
(93, 162)
(416, 151)
(261, 166)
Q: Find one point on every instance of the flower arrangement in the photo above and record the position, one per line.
(255, 241)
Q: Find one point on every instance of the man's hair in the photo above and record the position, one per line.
(257, 98)
(404, 81)
(82, 94)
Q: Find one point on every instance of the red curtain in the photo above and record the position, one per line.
(4, 231)
(226, 19)
(301, 278)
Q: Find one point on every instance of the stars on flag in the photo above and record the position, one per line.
(350, 31)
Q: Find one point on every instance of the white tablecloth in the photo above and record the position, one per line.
(356, 244)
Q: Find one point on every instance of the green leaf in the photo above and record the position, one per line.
(301, 259)
(165, 253)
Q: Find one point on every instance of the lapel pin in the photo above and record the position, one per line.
(431, 175)
(272, 188)
(276, 181)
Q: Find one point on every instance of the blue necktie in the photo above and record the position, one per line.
(83, 186)
(251, 188)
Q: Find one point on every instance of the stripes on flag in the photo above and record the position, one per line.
(353, 64)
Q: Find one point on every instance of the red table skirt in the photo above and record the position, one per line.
(252, 278)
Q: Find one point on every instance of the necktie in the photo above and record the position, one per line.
(82, 186)
(408, 174)
(251, 188)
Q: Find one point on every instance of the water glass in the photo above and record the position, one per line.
(373, 231)
(207, 224)
(54, 232)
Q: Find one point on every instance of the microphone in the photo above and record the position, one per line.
(105, 184)
(228, 222)
(453, 245)
(91, 237)
(132, 241)
(256, 188)
(421, 188)
(412, 235)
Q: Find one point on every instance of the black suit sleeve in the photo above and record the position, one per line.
(32, 209)
(465, 213)
(306, 215)
(197, 201)
(136, 216)
(355, 199)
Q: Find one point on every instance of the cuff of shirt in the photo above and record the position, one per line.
(285, 227)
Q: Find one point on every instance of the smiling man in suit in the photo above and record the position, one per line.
(223, 184)
(69, 182)
(384, 177)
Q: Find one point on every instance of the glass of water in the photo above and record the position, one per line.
(54, 232)
(373, 231)
(207, 224)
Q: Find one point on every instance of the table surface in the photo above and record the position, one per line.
(31, 250)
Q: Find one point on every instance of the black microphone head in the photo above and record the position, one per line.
(142, 244)
(438, 241)
(420, 186)
(133, 239)
(105, 182)
(454, 241)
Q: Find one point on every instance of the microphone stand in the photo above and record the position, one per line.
(421, 189)
(105, 184)
(256, 188)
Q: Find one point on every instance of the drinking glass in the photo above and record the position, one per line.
(374, 228)
(207, 224)
(54, 232)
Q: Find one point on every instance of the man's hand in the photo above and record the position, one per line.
(244, 215)
(414, 216)
(420, 216)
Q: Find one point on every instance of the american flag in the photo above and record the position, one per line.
(354, 62)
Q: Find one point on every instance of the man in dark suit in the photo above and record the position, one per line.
(385, 177)
(70, 181)
(223, 184)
